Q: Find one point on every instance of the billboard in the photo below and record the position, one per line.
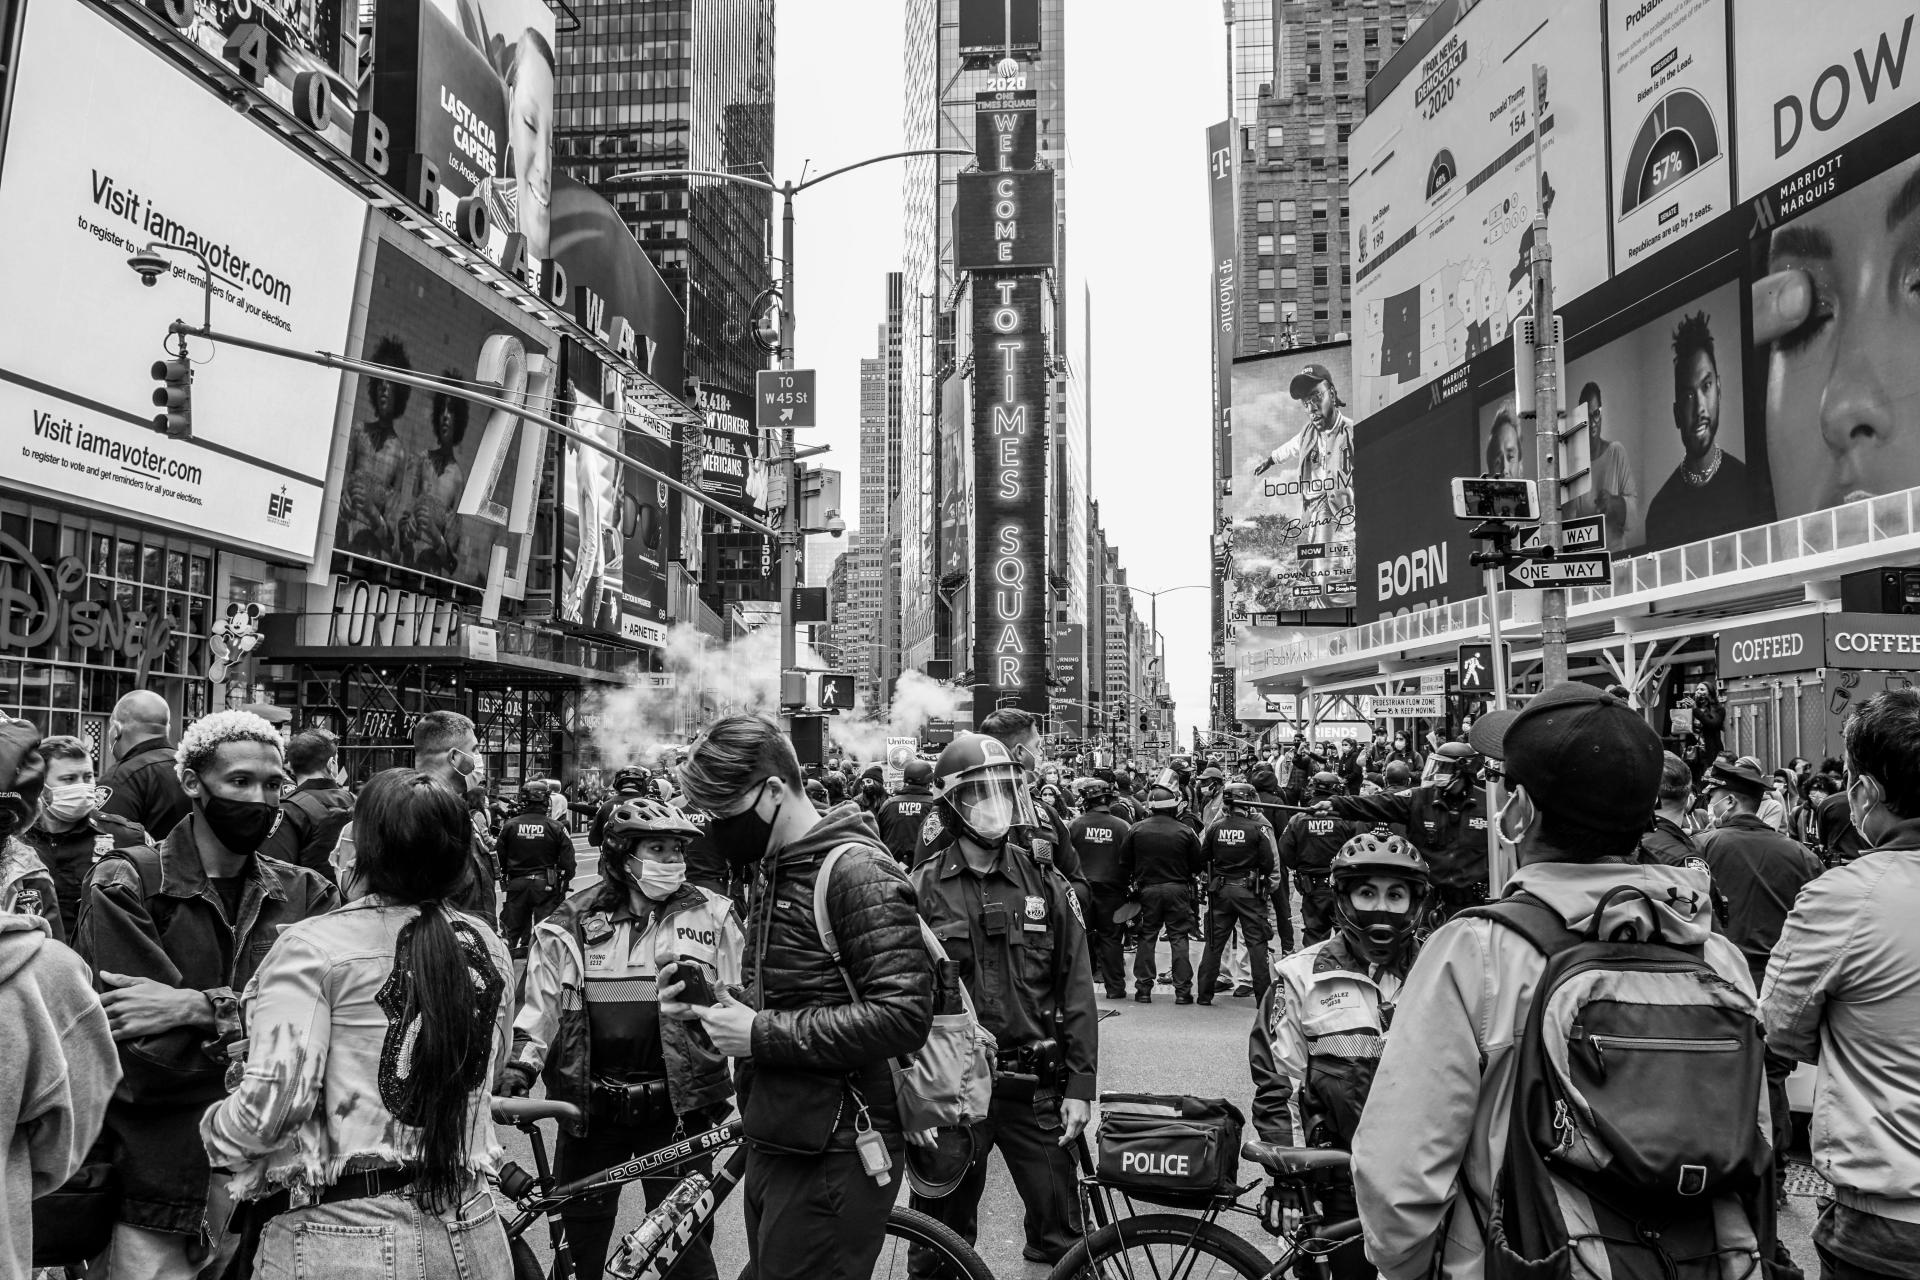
(410, 453)
(295, 46)
(983, 26)
(1006, 129)
(1413, 554)
(1802, 87)
(1223, 224)
(466, 87)
(1289, 512)
(1261, 653)
(1443, 194)
(1668, 123)
(1003, 221)
(1070, 663)
(1012, 601)
(731, 467)
(106, 153)
(617, 291)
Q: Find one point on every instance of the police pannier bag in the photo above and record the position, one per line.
(1169, 1149)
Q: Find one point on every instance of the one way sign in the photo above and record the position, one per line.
(1589, 534)
(1562, 571)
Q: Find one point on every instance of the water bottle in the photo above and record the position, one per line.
(635, 1256)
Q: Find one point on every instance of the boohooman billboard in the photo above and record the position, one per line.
(106, 152)
(1290, 512)
(1443, 196)
(410, 453)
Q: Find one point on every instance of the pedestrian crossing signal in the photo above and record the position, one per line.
(175, 395)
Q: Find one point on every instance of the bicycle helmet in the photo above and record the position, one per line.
(635, 820)
(981, 786)
(1379, 936)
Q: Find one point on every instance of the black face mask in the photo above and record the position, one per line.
(241, 825)
(742, 838)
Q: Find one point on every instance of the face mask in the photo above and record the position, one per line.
(70, 803)
(1513, 820)
(241, 825)
(657, 880)
(742, 839)
(345, 860)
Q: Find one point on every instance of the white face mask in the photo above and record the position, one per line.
(657, 880)
(345, 860)
(72, 802)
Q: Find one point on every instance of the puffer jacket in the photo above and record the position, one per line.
(552, 1035)
(811, 1039)
(1436, 1120)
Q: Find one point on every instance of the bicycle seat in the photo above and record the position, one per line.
(1293, 1161)
(518, 1111)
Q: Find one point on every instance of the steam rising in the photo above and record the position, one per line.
(917, 698)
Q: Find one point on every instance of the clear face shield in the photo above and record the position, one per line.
(991, 803)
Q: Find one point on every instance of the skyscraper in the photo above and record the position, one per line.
(1299, 87)
(675, 84)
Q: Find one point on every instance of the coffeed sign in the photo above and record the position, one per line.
(1771, 647)
(1849, 641)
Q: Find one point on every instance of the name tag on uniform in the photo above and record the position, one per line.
(1034, 928)
(596, 959)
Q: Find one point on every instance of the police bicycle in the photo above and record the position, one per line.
(1154, 1246)
(651, 1251)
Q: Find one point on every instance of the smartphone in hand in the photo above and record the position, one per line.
(694, 986)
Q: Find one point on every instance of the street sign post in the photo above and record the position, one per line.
(1563, 571)
(1404, 706)
(1589, 534)
(1477, 671)
(783, 398)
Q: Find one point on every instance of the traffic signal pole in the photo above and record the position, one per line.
(789, 541)
(1553, 609)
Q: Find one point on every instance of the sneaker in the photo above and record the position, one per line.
(1143, 997)
(1244, 989)
(1181, 997)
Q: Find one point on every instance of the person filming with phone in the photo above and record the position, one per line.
(590, 1020)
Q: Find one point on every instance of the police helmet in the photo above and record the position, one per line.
(1239, 794)
(1094, 791)
(982, 787)
(1163, 800)
(630, 779)
(1326, 784)
(935, 1171)
(918, 772)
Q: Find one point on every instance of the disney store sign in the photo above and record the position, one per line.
(40, 604)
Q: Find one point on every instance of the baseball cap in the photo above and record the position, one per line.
(1581, 753)
(1304, 381)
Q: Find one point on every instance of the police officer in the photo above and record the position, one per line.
(902, 814)
(629, 784)
(1165, 857)
(536, 861)
(1446, 819)
(1013, 925)
(1307, 849)
(1239, 857)
(1043, 834)
(1097, 836)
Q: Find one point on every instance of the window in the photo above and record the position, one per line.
(1264, 245)
(1346, 274)
(1319, 210)
(1276, 136)
(1286, 211)
(1266, 278)
(1263, 211)
(1372, 37)
(1313, 73)
(1341, 131)
(1373, 67)
(1288, 242)
(1289, 312)
(1320, 277)
(1339, 73)
(1289, 279)
(1266, 313)
(1316, 135)
(1319, 242)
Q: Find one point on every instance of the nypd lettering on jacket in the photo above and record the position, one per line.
(1230, 835)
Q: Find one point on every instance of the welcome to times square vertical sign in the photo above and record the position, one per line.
(1004, 236)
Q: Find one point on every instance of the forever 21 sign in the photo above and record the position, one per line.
(367, 615)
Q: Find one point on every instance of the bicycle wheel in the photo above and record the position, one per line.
(917, 1245)
(526, 1263)
(1156, 1245)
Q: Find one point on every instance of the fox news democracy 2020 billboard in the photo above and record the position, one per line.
(110, 147)
(1290, 513)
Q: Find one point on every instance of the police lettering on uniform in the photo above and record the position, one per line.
(1013, 926)
(1097, 837)
(1165, 856)
(1307, 849)
(901, 815)
(1238, 851)
(1446, 820)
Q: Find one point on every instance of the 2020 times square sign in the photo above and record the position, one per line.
(1010, 604)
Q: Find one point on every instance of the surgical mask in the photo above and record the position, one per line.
(72, 802)
(345, 860)
(1504, 821)
(742, 838)
(657, 880)
(241, 825)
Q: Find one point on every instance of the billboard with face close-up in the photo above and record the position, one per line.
(107, 151)
(1290, 513)
(410, 452)
(1442, 190)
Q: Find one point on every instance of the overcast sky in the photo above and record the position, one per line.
(1144, 79)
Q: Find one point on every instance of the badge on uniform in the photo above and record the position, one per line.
(931, 829)
(597, 927)
(1036, 915)
(102, 846)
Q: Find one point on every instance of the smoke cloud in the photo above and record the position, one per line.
(917, 698)
(637, 723)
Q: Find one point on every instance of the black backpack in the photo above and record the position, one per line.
(1635, 1146)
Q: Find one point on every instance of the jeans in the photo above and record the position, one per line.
(817, 1217)
(135, 1253)
(386, 1237)
(1170, 906)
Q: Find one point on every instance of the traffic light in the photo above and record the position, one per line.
(175, 395)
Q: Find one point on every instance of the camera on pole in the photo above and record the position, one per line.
(175, 395)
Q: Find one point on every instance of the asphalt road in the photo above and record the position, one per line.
(1156, 1048)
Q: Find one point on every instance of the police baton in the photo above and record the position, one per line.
(1273, 804)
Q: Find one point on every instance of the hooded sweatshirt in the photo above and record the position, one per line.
(1438, 1111)
(58, 1068)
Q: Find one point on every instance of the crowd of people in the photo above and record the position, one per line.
(260, 1015)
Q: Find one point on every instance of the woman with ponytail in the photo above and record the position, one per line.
(359, 1126)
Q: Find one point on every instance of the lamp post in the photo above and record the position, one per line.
(789, 537)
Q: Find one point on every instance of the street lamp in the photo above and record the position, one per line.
(789, 537)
